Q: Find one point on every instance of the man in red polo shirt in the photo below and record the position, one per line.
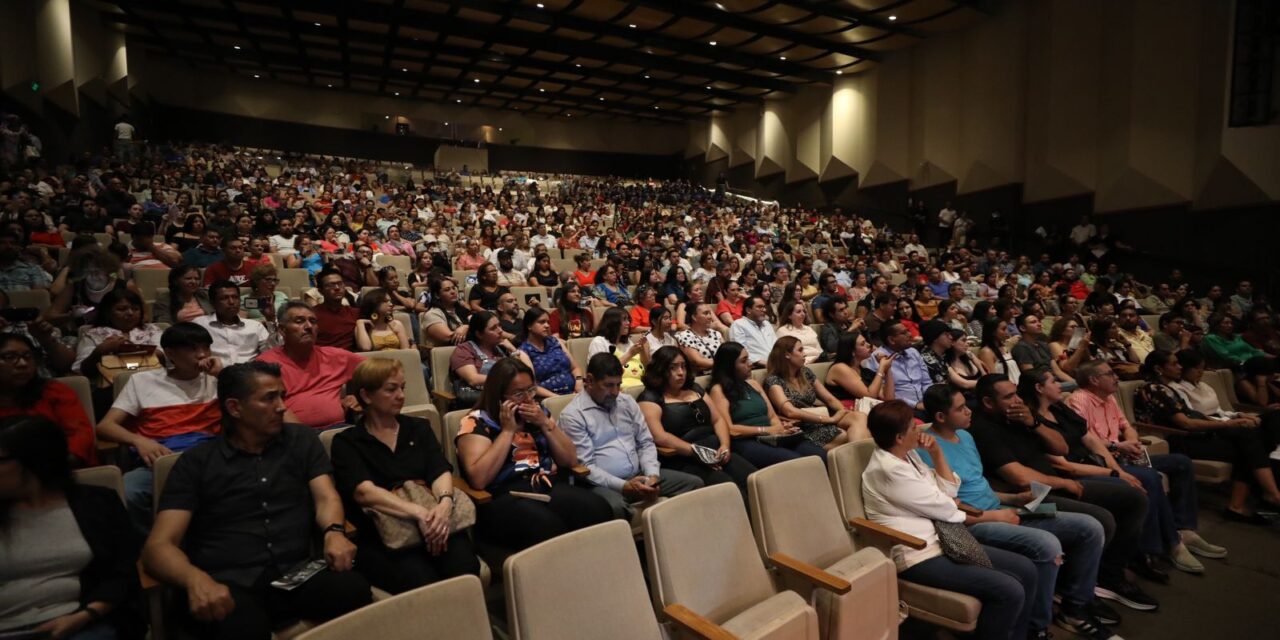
(314, 376)
(337, 321)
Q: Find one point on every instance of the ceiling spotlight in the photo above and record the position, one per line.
(330, 86)
(578, 65)
(601, 99)
(892, 18)
(655, 106)
(386, 117)
(404, 69)
(499, 128)
(542, 90)
(446, 124)
(397, 93)
(459, 100)
(783, 57)
(632, 26)
(237, 47)
(540, 5)
(646, 76)
(477, 80)
(256, 75)
(839, 72)
(713, 43)
(317, 24)
(568, 115)
(708, 87)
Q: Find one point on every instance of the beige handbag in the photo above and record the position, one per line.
(113, 364)
(398, 533)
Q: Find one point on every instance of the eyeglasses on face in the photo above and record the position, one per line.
(11, 357)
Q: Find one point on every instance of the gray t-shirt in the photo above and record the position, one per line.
(41, 557)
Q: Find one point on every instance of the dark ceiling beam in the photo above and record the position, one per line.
(646, 38)
(294, 38)
(845, 11)
(428, 63)
(699, 10)
(548, 42)
(393, 30)
(431, 50)
(446, 84)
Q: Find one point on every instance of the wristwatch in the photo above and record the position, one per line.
(335, 527)
(1115, 473)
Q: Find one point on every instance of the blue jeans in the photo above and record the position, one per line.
(1006, 591)
(139, 498)
(1076, 537)
(763, 455)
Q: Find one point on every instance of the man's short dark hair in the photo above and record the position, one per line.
(829, 306)
(604, 365)
(986, 387)
(326, 272)
(144, 228)
(222, 284)
(883, 299)
(185, 335)
(938, 399)
(238, 381)
(886, 329)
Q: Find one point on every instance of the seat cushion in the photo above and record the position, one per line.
(948, 609)
(870, 609)
(784, 616)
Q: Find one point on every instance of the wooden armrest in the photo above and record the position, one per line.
(443, 395)
(1248, 407)
(892, 535)
(666, 451)
(969, 510)
(104, 445)
(148, 583)
(816, 576)
(579, 471)
(478, 496)
(349, 530)
(1155, 428)
(690, 622)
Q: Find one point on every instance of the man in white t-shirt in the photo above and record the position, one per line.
(283, 243)
(1082, 233)
(124, 133)
(946, 218)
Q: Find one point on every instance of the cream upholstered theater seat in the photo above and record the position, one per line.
(800, 532)
(106, 476)
(417, 398)
(1206, 471)
(703, 560)
(575, 586)
(947, 609)
(416, 615)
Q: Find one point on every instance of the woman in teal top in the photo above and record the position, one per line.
(734, 393)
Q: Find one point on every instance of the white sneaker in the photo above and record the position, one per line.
(1184, 561)
(1275, 455)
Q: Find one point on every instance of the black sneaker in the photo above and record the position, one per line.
(1145, 567)
(1127, 594)
(1084, 625)
(1103, 612)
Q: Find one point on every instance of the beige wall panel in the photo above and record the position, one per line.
(1165, 86)
(745, 122)
(773, 141)
(992, 101)
(55, 60)
(450, 157)
(936, 105)
(848, 129)
(699, 133)
(719, 143)
(890, 102)
(804, 122)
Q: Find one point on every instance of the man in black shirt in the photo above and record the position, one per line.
(238, 511)
(1015, 447)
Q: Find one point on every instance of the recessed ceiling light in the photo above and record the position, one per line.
(646, 76)
(386, 117)
(540, 5)
(477, 80)
(405, 69)
(542, 90)
(839, 72)
(632, 26)
(330, 86)
(783, 57)
(570, 115)
(655, 106)
(892, 18)
(578, 65)
(446, 124)
(708, 87)
(397, 93)
(237, 47)
(317, 24)
(256, 75)
(713, 43)
(459, 100)
(601, 99)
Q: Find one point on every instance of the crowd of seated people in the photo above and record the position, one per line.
(694, 339)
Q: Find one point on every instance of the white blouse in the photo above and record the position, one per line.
(908, 496)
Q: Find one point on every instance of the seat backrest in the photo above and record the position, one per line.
(107, 476)
(523, 293)
(844, 469)
(460, 601)
(149, 280)
(29, 299)
(759, 375)
(452, 423)
(84, 392)
(295, 279)
(578, 349)
(159, 475)
(793, 511)
(820, 370)
(415, 384)
(610, 595)
(1220, 381)
(118, 384)
(440, 367)
(403, 264)
(326, 439)
(556, 404)
(1124, 396)
(702, 554)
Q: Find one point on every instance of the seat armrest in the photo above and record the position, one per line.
(666, 451)
(809, 573)
(478, 496)
(579, 471)
(1155, 428)
(969, 510)
(862, 525)
(443, 395)
(695, 624)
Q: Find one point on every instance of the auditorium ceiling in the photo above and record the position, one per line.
(666, 60)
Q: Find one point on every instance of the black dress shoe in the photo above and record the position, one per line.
(1145, 567)
(1251, 518)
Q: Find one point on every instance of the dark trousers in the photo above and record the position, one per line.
(735, 471)
(1121, 509)
(262, 607)
(1244, 447)
(1167, 513)
(762, 455)
(1007, 591)
(517, 523)
(397, 571)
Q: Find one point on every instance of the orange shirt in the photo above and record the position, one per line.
(60, 404)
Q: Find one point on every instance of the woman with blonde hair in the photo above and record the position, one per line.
(382, 452)
(266, 298)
